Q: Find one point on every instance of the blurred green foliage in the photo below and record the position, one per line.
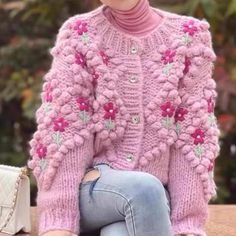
(28, 29)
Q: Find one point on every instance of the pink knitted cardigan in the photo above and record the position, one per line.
(138, 103)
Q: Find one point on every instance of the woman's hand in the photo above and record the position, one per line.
(59, 233)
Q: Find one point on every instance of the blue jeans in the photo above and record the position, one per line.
(124, 203)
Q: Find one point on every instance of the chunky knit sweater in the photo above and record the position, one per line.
(143, 103)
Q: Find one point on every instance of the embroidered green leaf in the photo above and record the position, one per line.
(167, 122)
(187, 39)
(46, 107)
(211, 174)
(167, 69)
(199, 150)
(84, 116)
(211, 119)
(57, 137)
(85, 38)
(178, 128)
(109, 124)
(43, 164)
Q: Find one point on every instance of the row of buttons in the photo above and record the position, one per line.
(135, 118)
(134, 50)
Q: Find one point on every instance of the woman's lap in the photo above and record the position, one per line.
(120, 179)
(102, 201)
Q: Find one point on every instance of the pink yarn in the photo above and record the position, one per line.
(149, 95)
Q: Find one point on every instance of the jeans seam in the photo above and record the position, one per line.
(126, 199)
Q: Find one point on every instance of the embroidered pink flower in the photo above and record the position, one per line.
(210, 105)
(80, 59)
(180, 113)
(81, 27)
(211, 166)
(187, 65)
(168, 57)
(48, 95)
(83, 104)
(189, 27)
(110, 111)
(198, 136)
(105, 58)
(167, 109)
(60, 124)
(41, 151)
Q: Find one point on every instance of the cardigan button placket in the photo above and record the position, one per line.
(132, 97)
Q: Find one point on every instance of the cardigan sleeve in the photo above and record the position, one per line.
(192, 156)
(62, 145)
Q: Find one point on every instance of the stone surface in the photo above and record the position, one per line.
(222, 221)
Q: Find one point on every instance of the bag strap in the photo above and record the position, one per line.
(23, 171)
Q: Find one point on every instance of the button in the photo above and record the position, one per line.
(134, 49)
(133, 79)
(135, 119)
(130, 157)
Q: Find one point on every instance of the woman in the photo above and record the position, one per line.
(127, 137)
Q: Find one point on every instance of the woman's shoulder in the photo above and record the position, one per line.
(82, 21)
(77, 32)
(184, 26)
(188, 32)
(181, 18)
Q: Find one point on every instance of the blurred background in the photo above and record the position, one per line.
(28, 29)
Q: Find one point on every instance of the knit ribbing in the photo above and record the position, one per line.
(59, 207)
(122, 42)
(181, 174)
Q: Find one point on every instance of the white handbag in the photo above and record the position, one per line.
(14, 200)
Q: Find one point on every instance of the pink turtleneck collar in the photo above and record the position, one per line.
(139, 20)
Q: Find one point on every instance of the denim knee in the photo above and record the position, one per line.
(145, 189)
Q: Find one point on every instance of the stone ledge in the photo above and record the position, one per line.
(222, 221)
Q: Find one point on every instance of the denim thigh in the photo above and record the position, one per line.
(101, 167)
(110, 180)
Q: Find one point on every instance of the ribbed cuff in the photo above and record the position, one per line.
(188, 227)
(58, 219)
(58, 207)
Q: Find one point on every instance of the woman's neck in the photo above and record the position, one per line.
(139, 20)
